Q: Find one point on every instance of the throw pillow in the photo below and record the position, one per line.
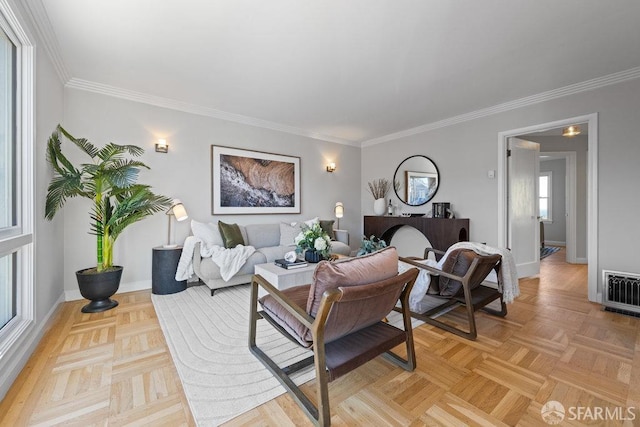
(327, 226)
(288, 233)
(369, 268)
(208, 233)
(230, 234)
(312, 221)
(458, 263)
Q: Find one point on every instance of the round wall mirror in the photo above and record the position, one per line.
(416, 180)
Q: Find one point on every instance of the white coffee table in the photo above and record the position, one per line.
(283, 278)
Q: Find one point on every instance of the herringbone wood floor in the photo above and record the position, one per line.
(114, 368)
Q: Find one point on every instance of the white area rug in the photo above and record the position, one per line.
(208, 339)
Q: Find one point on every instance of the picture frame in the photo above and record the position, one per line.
(253, 182)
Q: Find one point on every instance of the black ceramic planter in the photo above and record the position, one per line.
(99, 287)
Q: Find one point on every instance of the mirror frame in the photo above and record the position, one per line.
(395, 179)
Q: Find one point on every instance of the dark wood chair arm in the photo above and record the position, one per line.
(435, 271)
(435, 252)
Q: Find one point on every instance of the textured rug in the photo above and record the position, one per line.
(207, 337)
(548, 250)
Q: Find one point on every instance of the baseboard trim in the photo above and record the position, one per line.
(582, 261)
(74, 294)
(554, 243)
(24, 348)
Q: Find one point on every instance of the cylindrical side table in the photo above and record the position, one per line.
(163, 273)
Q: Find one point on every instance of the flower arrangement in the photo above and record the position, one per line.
(379, 188)
(371, 244)
(313, 238)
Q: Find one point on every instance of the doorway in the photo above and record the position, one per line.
(591, 122)
(570, 210)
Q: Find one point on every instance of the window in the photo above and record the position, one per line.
(16, 182)
(7, 289)
(545, 196)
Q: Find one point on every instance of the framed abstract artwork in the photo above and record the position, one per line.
(253, 182)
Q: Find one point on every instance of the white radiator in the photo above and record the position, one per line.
(622, 291)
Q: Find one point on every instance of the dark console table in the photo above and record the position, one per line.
(163, 272)
(441, 232)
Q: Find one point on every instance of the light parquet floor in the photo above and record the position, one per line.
(114, 368)
(111, 368)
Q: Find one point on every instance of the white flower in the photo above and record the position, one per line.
(298, 238)
(320, 244)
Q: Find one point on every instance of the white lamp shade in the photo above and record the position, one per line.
(339, 210)
(178, 210)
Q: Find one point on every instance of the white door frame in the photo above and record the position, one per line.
(570, 196)
(594, 292)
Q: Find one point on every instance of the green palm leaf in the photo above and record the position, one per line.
(115, 151)
(82, 143)
(123, 173)
(135, 204)
(60, 189)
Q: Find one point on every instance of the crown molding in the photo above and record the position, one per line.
(173, 104)
(587, 85)
(44, 31)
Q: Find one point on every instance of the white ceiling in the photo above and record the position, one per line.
(344, 70)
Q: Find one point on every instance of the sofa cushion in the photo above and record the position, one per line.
(231, 234)
(369, 268)
(288, 233)
(272, 253)
(207, 232)
(327, 226)
(262, 235)
(210, 269)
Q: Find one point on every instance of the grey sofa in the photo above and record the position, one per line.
(267, 240)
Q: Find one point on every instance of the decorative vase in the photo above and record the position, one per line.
(379, 206)
(98, 287)
(312, 256)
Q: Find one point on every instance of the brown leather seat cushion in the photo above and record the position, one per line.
(299, 295)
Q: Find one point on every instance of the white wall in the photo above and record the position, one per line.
(185, 173)
(48, 257)
(465, 152)
(556, 230)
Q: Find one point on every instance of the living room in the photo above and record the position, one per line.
(462, 141)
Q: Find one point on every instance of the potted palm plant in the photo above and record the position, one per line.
(109, 181)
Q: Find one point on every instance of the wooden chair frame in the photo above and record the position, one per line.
(473, 300)
(321, 415)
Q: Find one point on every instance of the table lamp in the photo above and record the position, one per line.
(178, 211)
(339, 213)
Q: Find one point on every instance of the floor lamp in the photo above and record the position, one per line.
(178, 211)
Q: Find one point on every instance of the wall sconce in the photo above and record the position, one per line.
(331, 167)
(176, 210)
(571, 131)
(162, 146)
(339, 213)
